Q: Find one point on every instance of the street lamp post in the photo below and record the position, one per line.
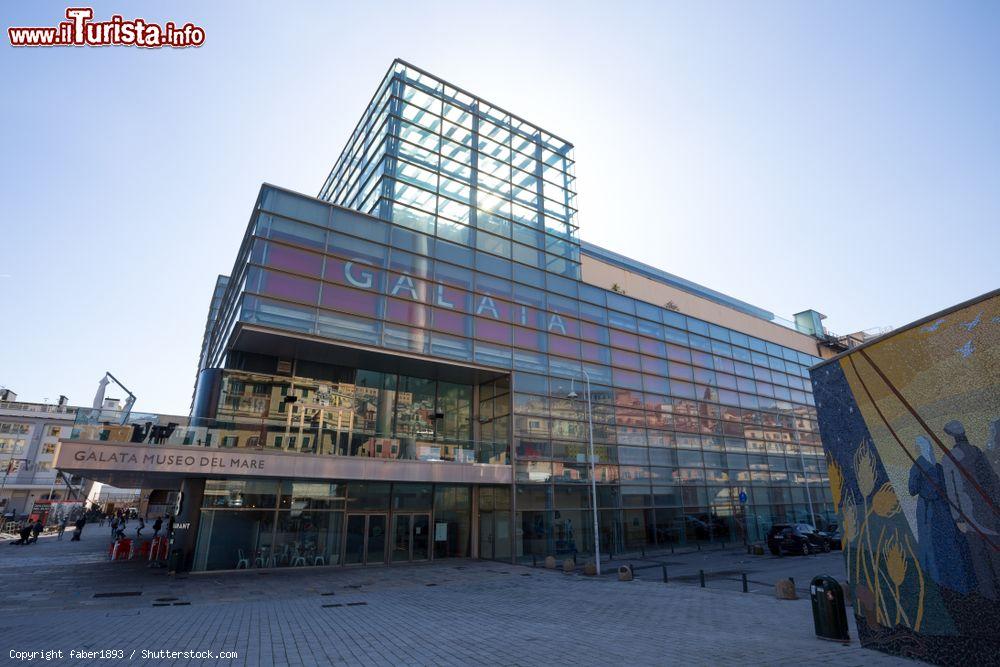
(593, 474)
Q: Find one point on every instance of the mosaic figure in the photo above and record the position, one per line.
(943, 551)
(971, 507)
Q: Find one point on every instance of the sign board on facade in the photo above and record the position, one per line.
(110, 462)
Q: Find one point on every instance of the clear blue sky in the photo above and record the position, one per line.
(837, 156)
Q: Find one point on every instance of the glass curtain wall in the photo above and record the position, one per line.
(366, 413)
(687, 414)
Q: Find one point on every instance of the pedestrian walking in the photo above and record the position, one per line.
(157, 525)
(78, 528)
(139, 529)
(62, 526)
(114, 525)
(35, 530)
(24, 534)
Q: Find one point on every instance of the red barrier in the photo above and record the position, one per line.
(158, 548)
(121, 549)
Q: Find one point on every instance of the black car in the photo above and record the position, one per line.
(796, 538)
(835, 536)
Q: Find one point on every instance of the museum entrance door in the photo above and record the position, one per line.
(365, 539)
(410, 537)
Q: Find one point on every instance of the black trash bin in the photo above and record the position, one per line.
(176, 560)
(829, 611)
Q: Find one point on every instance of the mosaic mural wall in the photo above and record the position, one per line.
(911, 427)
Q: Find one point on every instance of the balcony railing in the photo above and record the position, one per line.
(312, 440)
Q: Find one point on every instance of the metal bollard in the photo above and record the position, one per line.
(664, 574)
(643, 549)
(744, 577)
(671, 547)
(699, 545)
(534, 561)
(701, 577)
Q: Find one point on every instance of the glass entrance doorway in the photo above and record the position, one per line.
(410, 537)
(364, 539)
(487, 536)
(494, 535)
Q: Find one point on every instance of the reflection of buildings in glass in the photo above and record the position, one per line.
(383, 448)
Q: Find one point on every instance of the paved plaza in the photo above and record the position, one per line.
(61, 595)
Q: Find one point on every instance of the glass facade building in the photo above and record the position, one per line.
(433, 311)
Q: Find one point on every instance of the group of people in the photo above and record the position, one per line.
(30, 531)
(119, 523)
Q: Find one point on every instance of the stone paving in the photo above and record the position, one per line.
(445, 613)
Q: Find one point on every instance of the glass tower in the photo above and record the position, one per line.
(430, 157)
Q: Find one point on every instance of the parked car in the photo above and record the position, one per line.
(835, 535)
(796, 538)
(824, 537)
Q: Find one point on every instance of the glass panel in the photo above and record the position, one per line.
(376, 539)
(307, 538)
(300, 496)
(244, 494)
(486, 536)
(368, 495)
(415, 408)
(234, 539)
(401, 538)
(421, 537)
(501, 533)
(411, 497)
(354, 548)
(451, 521)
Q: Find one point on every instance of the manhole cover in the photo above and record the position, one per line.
(333, 605)
(430, 584)
(330, 593)
(124, 594)
(356, 604)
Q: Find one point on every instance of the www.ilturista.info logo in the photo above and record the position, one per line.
(80, 30)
